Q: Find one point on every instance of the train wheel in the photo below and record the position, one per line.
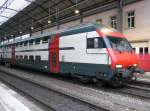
(116, 82)
(100, 83)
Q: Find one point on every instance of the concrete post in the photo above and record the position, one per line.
(149, 47)
(120, 16)
(81, 18)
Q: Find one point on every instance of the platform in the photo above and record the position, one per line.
(10, 100)
(144, 78)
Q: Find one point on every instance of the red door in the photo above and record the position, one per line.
(13, 60)
(54, 54)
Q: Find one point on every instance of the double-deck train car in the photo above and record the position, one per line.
(89, 52)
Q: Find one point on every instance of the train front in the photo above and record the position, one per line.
(124, 62)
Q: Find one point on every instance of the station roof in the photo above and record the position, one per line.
(18, 16)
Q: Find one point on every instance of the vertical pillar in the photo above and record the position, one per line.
(149, 47)
(120, 16)
(81, 18)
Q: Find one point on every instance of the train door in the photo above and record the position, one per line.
(13, 60)
(54, 54)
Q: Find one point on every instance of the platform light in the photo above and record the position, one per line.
(77, 11)
(49, 21)
(32, 27)
(20, 32)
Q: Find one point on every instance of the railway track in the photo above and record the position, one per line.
(85, 103)
(56, 101)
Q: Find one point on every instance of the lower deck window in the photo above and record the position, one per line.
(25, 57)
(31, 58)
(38, 58)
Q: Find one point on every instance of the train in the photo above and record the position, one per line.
(87, 52)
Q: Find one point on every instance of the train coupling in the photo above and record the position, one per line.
(124, 73)
(138, 70)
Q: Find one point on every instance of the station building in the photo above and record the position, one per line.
(135, 23)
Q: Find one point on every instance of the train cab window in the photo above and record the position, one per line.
(96, 42)
(25, 57)
(31, 58)
(145, 50)
(38, 58)
(37, 41)
(45, 40)
(141, 50)
(31, 42)
(25, 43)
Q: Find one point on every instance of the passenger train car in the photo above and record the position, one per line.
(89, 52)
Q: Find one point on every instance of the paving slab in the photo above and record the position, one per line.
(10, 100)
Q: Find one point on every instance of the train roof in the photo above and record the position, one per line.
(85, 27)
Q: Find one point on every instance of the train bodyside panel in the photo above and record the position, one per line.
(78, 59)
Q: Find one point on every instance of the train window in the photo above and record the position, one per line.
(141, 50)
(25, 57)
(25, 43)
(16, 44)
(145, 50)
(45, 40)
(31, 58)
(37, 58)
(96, 42)
(31, 42)
(20, 44)
(21, 57)
(90, 43)
(37, 41)
(16, 56)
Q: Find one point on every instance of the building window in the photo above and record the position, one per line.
(134, 49)
(114, 22)
(141, 50)
(145, 50)
(37, 41)
(99, 21)
(37, 58)
(131, 19)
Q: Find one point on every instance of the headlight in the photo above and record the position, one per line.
(118, 66)
(134, 65)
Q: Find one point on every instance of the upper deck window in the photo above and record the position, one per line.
(96, 42)
(37, 41)
(31, 42)
(45, 40)
(25, 43)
